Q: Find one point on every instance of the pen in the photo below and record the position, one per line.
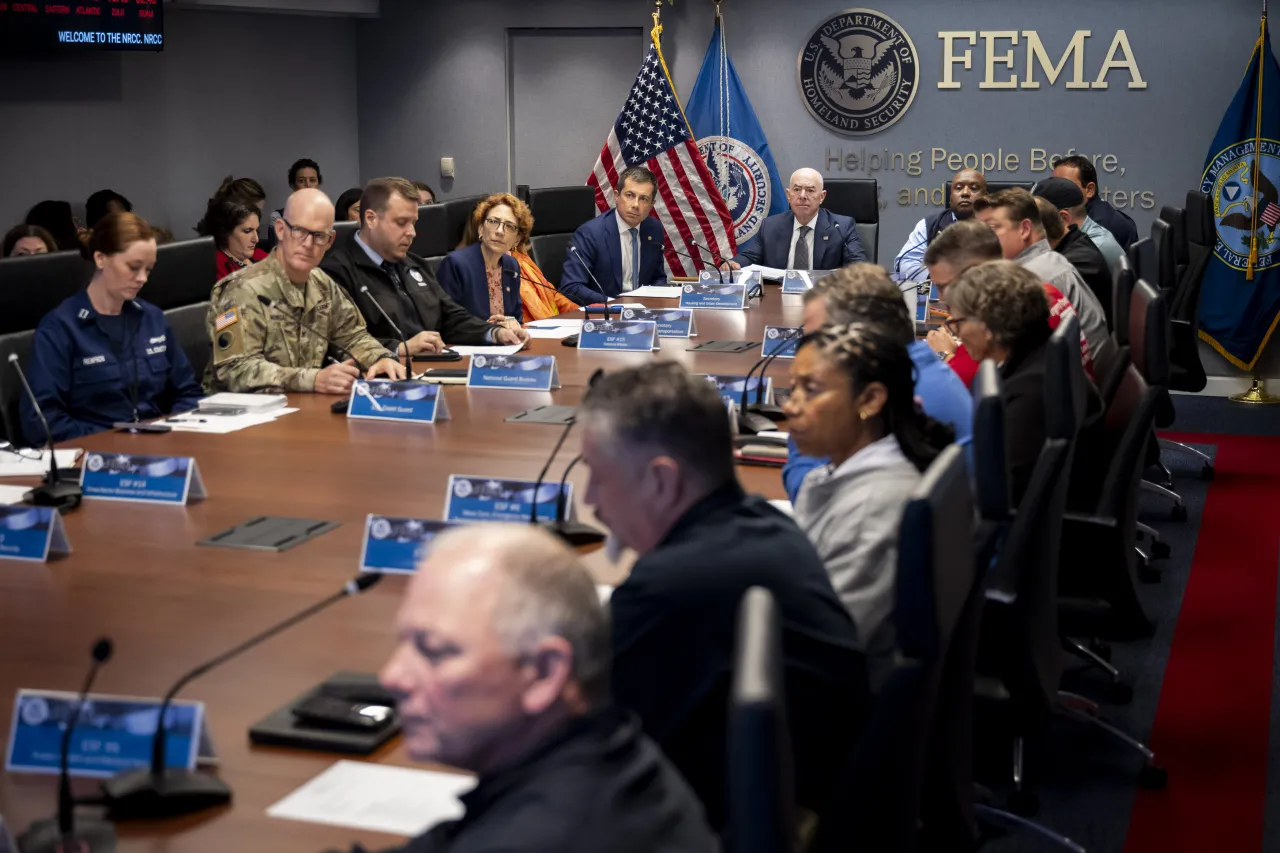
(185, 421)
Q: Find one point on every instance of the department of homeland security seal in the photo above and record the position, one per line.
(858, 72)
(1229, 182)
(743, 181)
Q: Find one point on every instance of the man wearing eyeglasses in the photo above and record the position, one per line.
(273, 323)
(806, 237)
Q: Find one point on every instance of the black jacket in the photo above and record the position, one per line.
(674, 620)
(1084, 255)
(418, 304)
(600, 786)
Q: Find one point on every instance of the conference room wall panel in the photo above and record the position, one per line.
(231, 93)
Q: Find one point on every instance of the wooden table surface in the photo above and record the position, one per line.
(136, 575)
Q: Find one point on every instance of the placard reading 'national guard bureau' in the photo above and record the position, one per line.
(618, 335)
(385, 400)
(513, 372)
(31, 533)
(491, 499)
(671, 322)
(142, 479)
(396, 545)
(781, 341)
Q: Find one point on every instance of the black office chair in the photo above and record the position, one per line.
(1162, 241)
(184, 274)
(32, 286)
(342, 233)
(1125, 277)
(994, 187)
(431, 239)
(11, 392)
(1186, 371)
(456, 213)
(858, 198)
(189, 324)
(1142, 259)
(1176, 219)
(557, 213)
(761, 788)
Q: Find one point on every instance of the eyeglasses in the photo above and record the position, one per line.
(953, 323)
(805, 191)
(302, 235)
(501, 225)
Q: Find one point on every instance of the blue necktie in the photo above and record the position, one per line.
(635, 257)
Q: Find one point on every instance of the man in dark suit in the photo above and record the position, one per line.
(662, 480)
(405, 288)
(622, 247)
(805, 237)
(1080, 171)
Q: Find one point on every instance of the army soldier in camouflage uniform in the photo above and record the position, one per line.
(265, 344)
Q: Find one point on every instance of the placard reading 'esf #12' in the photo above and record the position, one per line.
(618, 335)
(781, 341)
(142, 479)
(113, 734)
(31, 533)
(396, 545)
(491, 499)
(513, 372)
(385, 400)
(671, 322)
(710, 292)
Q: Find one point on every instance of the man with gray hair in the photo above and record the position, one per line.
(501, 668)
(658, 443)
(806, 237)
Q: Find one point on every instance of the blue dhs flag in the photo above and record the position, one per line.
(1240, 295)
(731, 139)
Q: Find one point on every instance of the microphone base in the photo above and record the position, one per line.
(62, 495)
(751, 423)
(773, 413)
(89, 836)
(138, 795)
(137, 427)
(574, 533)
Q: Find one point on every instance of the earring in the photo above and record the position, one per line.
(862, 415)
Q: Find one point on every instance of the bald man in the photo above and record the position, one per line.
(501, 668)
(273, 323)
(966, 186)
(806, 237)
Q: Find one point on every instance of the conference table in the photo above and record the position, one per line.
(136, 575)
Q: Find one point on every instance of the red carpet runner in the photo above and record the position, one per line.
(1213, 719)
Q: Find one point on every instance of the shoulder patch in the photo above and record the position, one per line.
(224, 320)
(228, 343)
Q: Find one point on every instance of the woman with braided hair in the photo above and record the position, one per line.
(852, 401)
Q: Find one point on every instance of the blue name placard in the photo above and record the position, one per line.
(781, 341)
(489, 499)
(619, 335)
(731, 387)
(31, 533)
(798, 281)
(924, 295)
(113, 734)
(395, 545)
(384, 400)
(671, 322)
(710, 292)
(513, 372)
(144, 479)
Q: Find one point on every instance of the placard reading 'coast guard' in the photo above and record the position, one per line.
(114, 733)
(618, 335)
(143, 479)
(384, 400)
(489, 499)
(711, 292)
(31, 533)
(798, 281)
(513, 372)
(671, 322)
(781, 341)
(396, 545)
(731, 387)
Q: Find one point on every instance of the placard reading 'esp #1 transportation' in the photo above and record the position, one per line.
(709, 292)
(385, 400)
(31, 533)
(781, 341)
(798, 281)
(513, 372)
(113, 734)
(618, 335)
(671, 322)
(396, 545)
(490, 499)
(143, 479)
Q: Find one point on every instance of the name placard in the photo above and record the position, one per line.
(395, 545)
(781, 341)
(142, 479)
(32, 533)
(710, 292)
(798, 281)
(513, 372)
(113, 734)
(671, 322)
(925, 293)
(385, 400)
(731, 387)
(489, 499)
(618, 335)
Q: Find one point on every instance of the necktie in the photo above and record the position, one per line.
(391, 270)
(635, 257)
(803, 261)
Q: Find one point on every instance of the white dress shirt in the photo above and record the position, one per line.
(795, 236)
(624, 234)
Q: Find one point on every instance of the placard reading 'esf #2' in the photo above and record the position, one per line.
(513, 372)
(618, 335)
(31, 533)
(396, 545)
(385, 400)
(781, 341)
(143, 479)
(671, 322)
(492, 499)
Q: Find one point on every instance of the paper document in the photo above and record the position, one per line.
(649, 291)
(220, 424)
(554, 333)
(33, 463)
(553, 323)
(359, 795)
(765, 272)
(783, 506)
(10, 495)
(511, 349)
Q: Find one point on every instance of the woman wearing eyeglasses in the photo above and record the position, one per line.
(482, 277)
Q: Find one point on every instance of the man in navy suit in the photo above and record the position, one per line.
(805, 237)
(622, 248)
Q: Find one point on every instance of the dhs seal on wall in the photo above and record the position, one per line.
(1229, 182)
(743, 181)
(858, 72)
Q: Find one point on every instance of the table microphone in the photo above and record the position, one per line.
(266, 301)
(573, 532)
(159, 791)
(714, 257)
(748, 420)
(719, 271)
(55, 492)
(64, 833)
(572, 340)
(760, 407)
(408, 369)
(136, 426)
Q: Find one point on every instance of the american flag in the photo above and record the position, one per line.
(1270, 214)
(652, 131)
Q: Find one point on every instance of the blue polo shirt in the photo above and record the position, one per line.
(83, 364)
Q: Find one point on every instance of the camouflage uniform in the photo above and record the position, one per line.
(256, 348)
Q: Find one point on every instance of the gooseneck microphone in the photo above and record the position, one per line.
(159, 791)
(408, 359)
(64, 832)
(135, 425)
(266, 301)
(607, 298)
(55, 492)
(719, 271)
(573, 532)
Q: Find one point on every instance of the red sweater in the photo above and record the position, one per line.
(226, 265)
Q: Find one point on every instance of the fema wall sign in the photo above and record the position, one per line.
(858, 72)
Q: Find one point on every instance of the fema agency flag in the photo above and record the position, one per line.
(1240, 294)
(732, 142)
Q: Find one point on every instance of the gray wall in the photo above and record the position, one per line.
(163, 129)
